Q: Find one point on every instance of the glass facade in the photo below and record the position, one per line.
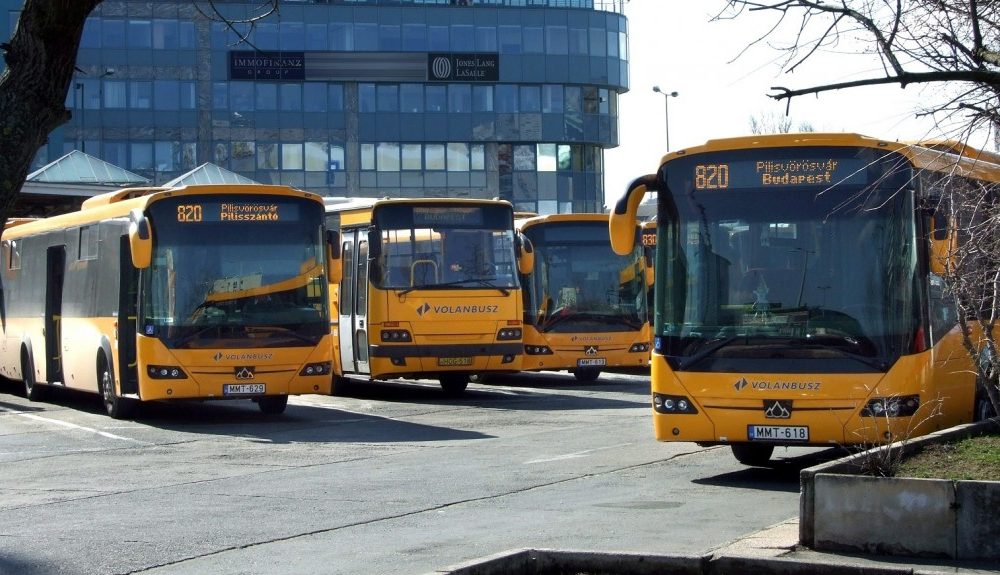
(514, 99)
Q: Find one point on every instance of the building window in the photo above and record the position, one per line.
(437, 39)
(336, 97)
(266, 96)
(434, 157)
(546, 157)
(113, 34)
(337, 158)
(552, 99)
(188, 97)
(220, 95)
(267, 156)
(524, 158)
(291, 97)
(531, 99)
(436, 99)
(482, 98)
(366, 98)
(367, 157)
(241, 96)
(458, 157)
(167, 95)
(414, 37)
(388, 157)
(506, 98)
(459, 98)
(412, 159)
(510, 39)
(317, 156)
(411, 98)
(291, 156)
(533, 40)
(244, 155)
(314, 98)
(316, 36)
(142, 155)
(388, 98)
(140, 95)
(165, 35)
(556, 41)
(115, 94)
(486, 39)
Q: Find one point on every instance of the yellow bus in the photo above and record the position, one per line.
(197, 292)
(429, 289)
(584, 305)
(649, 254)
(797, 299)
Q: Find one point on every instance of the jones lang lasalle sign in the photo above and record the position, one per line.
(453, 67)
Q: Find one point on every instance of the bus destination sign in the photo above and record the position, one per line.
(450, 216)
(234, 212)
(779, 173)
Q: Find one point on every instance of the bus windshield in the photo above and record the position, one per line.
(579, 284)
(230, 269)
(756, 273)
(431, 246)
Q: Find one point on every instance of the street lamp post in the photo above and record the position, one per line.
(666, 110)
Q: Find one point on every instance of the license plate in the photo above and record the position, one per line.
(591, 362)
(777, 433)
(243, 389)
(452, 361)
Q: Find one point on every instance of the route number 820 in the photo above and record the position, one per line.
(711, 176)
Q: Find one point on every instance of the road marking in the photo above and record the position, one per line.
(575, 455)
(78, 427)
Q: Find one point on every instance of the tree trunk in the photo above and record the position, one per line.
(40, 59)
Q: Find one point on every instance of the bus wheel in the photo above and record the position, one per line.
(116, 406)
(586, 374)
(752, 454)
(341, 386)
(984, 407)
(272, 404)
(454, 383)
(32, 390)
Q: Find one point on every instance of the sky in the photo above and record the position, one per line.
(673, 45)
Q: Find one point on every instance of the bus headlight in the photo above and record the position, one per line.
(537, 350)
(321, 368)
(900, 406)
(392, 335)
(509, 333)
(673, 404)
(165, 372)
(639, 348)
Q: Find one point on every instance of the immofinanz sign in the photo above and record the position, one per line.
(471, 67)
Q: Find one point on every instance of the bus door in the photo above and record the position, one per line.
(128, 299)
(55, 273)
(353, 302)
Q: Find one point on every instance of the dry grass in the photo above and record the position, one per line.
(975, 458)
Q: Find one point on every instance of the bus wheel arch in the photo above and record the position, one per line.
(116, 406)
(755, 454)
(33, 391)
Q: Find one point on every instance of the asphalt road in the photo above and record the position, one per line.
(391, 479)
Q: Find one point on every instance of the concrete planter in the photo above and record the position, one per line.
(841, 510)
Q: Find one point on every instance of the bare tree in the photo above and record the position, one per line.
(775, 123)
(953, 43)
(956, 45)
(41, 58)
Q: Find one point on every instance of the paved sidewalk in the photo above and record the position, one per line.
(774, 550)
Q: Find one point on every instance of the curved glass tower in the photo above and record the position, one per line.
(514, 99)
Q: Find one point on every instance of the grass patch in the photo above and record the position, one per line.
(974, 458)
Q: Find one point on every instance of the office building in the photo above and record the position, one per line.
(514, 99)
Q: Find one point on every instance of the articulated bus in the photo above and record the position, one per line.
(797, 301)
(429, 289)
(584, 305)
(197, 292)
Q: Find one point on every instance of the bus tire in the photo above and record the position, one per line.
(984, 407)
(341, 386)
(454, 383)
(115, 406)
(32, 389)
(752, 453)
(586, 374)
(272, 404)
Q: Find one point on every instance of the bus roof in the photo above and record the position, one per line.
(119, 203)
(522, 223)
(340, 204)
(936, 155)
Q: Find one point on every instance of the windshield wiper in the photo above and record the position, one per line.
(281, 331)
(707, 349)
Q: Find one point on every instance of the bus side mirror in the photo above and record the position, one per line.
(621, 224)
(334, 262)
(140, 239)
(525, 255)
